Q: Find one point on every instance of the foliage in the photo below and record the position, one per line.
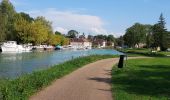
(57, 33)
(142, 52)
(22, 88)
(120, 41)
(7, 13)
(39, 32)
(142, 79)
(135, 35)
(72, 34)
(26, 17)
(23, 30)
(160, 34)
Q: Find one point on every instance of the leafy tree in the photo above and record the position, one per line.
(3, 24)
(23, 30)
(135, 35)
(26, 17)
(149, 36)
(120, 41)
(72, 34)
(110, 38)
(39, 32)
(57, 33)
(149, 40)
(46, 23)
(7, 12)
(104, 37)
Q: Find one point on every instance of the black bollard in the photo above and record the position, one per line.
(121, 60)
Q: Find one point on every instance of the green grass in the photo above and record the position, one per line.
(143, 52)
(142, 79)
(165, 53)
(23, 87)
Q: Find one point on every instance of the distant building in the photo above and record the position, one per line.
(140, 45)
(99, 43)
(80, 43)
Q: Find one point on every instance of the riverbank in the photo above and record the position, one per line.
(25, 86)
(142, 79)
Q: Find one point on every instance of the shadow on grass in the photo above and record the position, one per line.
(148, 80)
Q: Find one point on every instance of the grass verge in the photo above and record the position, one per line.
(143, 52)
(142, 79)
(23, 87)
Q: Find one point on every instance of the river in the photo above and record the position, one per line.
(13, 65)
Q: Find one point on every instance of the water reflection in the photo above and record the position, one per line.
(13, 65)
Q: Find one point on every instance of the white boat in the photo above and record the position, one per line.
(12, 46)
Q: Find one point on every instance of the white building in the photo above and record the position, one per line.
(100, 43)
(78, 43)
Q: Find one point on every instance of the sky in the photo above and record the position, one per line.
(96, 16)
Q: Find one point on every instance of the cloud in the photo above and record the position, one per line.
(62, 30)
(63, 21)
(18, 2)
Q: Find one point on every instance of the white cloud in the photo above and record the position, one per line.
(64, 21)
(18, 2)
(62, 30)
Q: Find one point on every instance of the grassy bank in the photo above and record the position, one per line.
(142, 79)
(22, 88)
(143, 52)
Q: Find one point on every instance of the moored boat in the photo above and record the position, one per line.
(12, 46)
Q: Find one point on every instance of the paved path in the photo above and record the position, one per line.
(91, 82)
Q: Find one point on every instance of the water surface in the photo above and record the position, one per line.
(13, 65)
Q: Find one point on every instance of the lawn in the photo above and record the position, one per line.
(143, 52)
(142, 79)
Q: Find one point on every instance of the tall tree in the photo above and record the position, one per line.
(3, 24)
(160, 34)
(7, 12)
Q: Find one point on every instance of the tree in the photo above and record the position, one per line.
(3, 23)
(103, 37)
(46, 23)
(7, 12)
(26, 17)
(23, 30)
(57, 33)
(120, 41)
(72, 34)
(149, 36)
(110, 38)
(135, 35)
(160, 34)
(90, 37)
(149, 40)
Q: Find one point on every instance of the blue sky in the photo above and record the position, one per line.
(96, 16)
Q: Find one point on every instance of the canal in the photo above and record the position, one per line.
(13, 65)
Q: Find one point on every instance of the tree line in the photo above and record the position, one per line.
(22, 28)
(152, 35)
